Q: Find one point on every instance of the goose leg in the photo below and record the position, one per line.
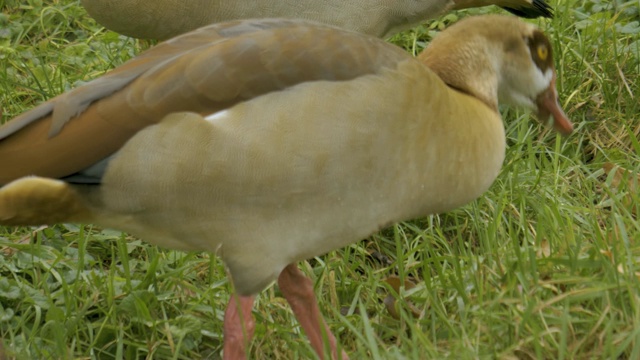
(238, 327)
(298, 290)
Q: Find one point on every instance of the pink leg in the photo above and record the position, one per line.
(238, 327)
(298, 290)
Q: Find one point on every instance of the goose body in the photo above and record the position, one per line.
(163, 19)
(272, 141)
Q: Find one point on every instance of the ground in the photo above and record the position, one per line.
(545, 265)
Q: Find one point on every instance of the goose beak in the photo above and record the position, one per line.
(547, 103)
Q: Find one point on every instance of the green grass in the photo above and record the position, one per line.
(546, 265)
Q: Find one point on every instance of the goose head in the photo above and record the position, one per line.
(500, 62)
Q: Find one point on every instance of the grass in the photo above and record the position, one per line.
(546, 265)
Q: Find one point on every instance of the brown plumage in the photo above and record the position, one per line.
(276, 141)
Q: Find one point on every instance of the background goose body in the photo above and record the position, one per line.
(163, 19)
(273, 159)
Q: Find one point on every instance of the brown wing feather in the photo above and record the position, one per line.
(73, 102)
(205, 71)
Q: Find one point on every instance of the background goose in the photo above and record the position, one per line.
(271, 141)
(163, 19)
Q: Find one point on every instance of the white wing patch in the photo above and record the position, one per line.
(217, 116)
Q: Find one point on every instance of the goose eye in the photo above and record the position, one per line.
(540, 50)
(543, 52)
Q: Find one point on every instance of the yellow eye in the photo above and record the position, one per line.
(543, 52)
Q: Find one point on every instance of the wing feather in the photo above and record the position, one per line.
(205, 71)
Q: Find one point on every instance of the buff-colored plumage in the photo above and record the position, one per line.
(163, 19)
(272, 141)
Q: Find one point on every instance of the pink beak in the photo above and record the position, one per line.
(547, 103)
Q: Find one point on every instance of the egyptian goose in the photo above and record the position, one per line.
(272, 141)
(163, 19)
